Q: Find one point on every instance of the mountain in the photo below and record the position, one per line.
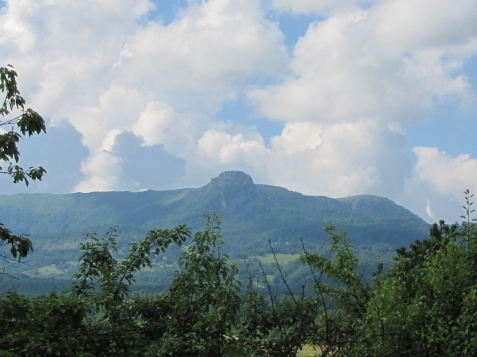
(251, 215)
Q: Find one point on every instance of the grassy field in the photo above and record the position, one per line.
(307, 351)
(282, 258)
(49, 271)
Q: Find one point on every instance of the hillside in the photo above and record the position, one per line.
(251, 215)
(243, 205)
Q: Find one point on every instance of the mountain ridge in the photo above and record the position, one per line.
(247, 209)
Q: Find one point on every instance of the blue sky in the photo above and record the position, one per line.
(323, 97)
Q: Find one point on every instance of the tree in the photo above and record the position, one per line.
(427, 300)
(198, 314)
(195, 317)
(28, 122)
(424, 305)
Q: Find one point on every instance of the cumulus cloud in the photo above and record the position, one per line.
(446, 174)
(350, 158)
(159, 123)
(435, 189)
(228, 149)
(298, 137)
(318, 7)
(153, 121)
(429, 210)
(430, 204)
(210, 49)
(386, 62)
(71, 48)
(103, 171)
(220, 149)
(108, 70)
(115, 111)
(130, 165)
(335, 160)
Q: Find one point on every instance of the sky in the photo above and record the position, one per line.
(323, 97)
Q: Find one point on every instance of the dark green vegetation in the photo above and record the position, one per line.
(251, 216)
(424, 305)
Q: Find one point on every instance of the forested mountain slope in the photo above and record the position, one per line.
(251, 214)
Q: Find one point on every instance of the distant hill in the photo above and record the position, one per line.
(251, 215)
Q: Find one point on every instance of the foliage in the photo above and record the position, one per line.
(45, 326)
(196, 316)
(115, 322)
(427, 300)
(29, 122)
(425, 305)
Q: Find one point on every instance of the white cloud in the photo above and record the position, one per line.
(297, 137)
(446, 174)
(334, 160)
(14, 30)
(109, 140)
(158, 123)
(152, 122)
(391, 62)
(103, 171)
(429, 210)
(318, 6)
(218, 150)
(102, 66)
(417, 24)
(351, 158)
(115, 111)
(435, 190)
(210, 49)
(425, 201)
(228, 149)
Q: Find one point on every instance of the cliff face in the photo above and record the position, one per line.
(232, 189)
